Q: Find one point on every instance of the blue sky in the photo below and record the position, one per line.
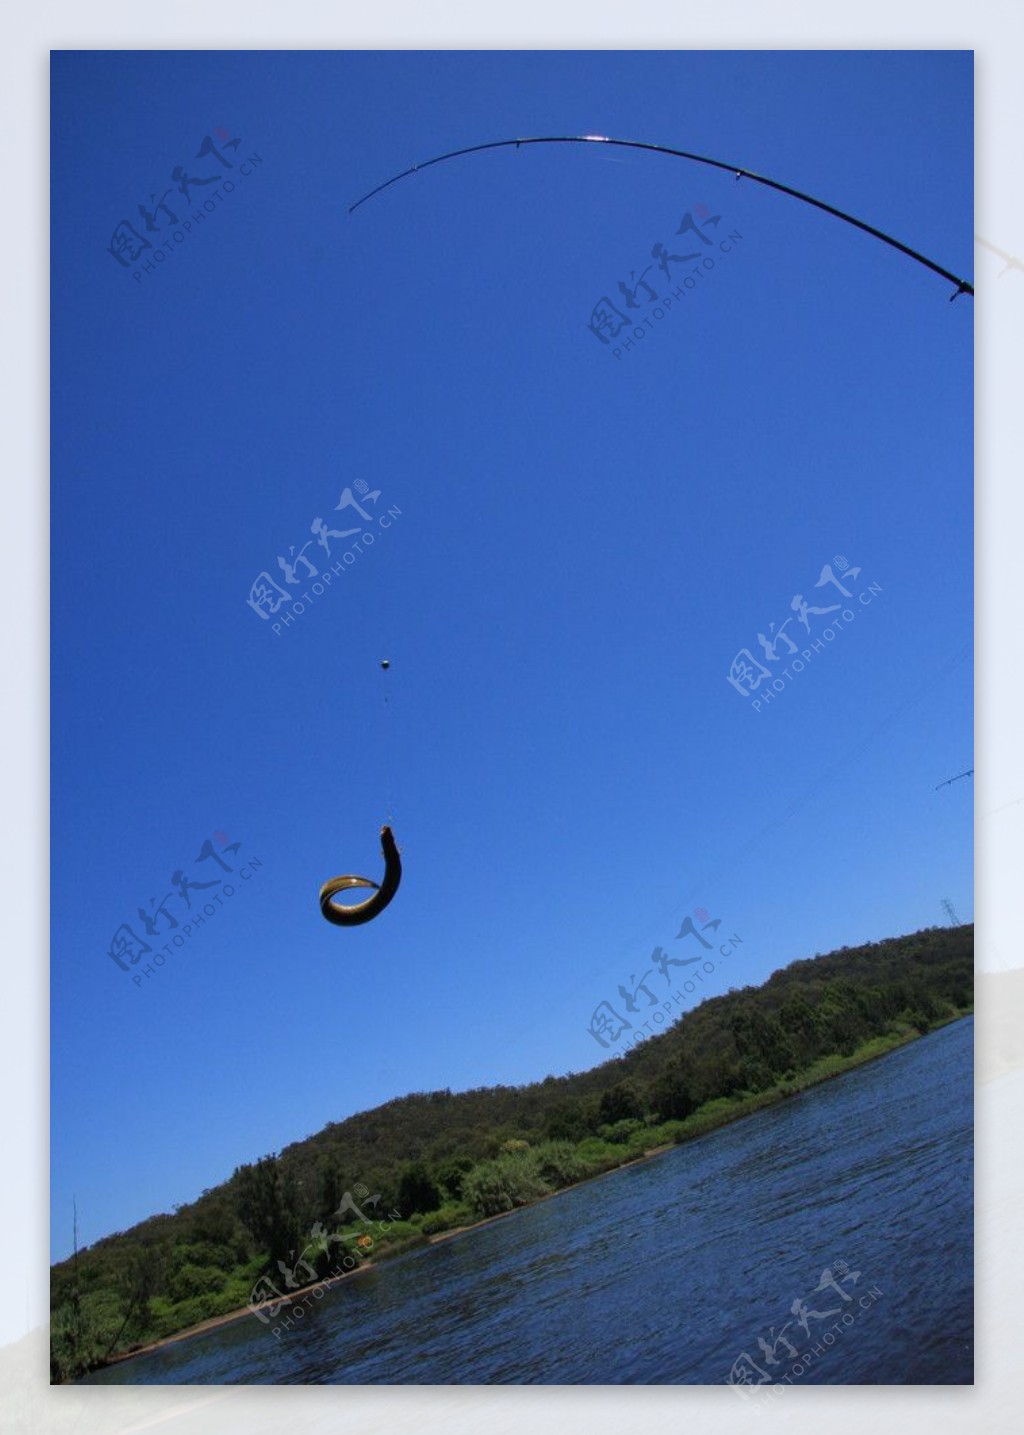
(584, 543)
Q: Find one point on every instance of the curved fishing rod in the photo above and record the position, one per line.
(962, 286)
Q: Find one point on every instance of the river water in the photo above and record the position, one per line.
(824, 1241)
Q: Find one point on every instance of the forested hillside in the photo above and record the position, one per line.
(441, 1159)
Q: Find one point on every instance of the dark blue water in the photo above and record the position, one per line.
(669, 1272)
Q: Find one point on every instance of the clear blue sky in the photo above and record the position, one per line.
(584, 545)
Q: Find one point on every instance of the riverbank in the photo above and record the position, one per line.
(720, 1112)
(725, 1110)
(215, 1321)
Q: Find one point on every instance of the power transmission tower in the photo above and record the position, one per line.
(950, 911)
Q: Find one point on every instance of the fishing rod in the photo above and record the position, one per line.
(962, 285)
(968, 773)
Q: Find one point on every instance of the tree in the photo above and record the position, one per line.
(451, 1174)
(800, 1023)
(761, 1042)
(672, 1093)
(417, 1191)
(570, 1121)
(330, 1188)
(261, 1207)
(620, 1103)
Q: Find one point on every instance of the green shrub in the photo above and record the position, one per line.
(446, 1219)
(502, 1184)
(663, 1134)
(196, 1280)
(191, 1312)
(397, 1231)
(80, 1340)
(619, 1132)
(598, 1154)
(559, 1163)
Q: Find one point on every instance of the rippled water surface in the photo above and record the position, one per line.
(672, 1271)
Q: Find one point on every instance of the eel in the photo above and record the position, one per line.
(360, 912)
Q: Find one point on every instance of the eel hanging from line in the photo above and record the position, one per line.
(360, 912)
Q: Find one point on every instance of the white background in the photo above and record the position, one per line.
(994, 32)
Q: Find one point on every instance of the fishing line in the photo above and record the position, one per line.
(387, 743)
